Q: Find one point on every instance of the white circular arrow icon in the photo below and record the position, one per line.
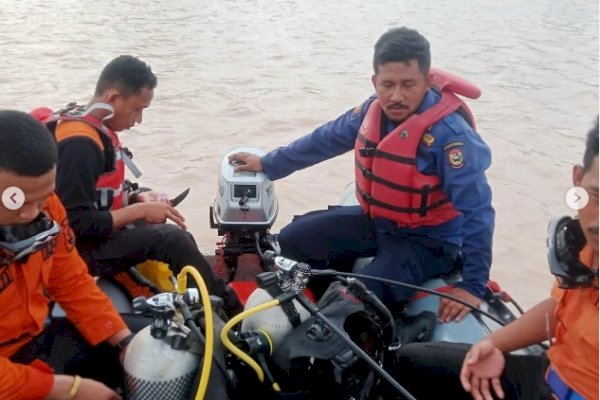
(13, 198)
(577, 198)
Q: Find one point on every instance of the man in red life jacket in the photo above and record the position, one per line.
(425, 204)
(115, 226)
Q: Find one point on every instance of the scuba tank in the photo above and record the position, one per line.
(159, 368)
(276, 322)
(163, 360)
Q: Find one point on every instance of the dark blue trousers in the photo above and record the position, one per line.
(334, 238)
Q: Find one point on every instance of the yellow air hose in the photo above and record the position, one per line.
(208, 345)
(238, 352)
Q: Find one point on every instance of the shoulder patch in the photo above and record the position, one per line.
(428, 139)
(456, 158)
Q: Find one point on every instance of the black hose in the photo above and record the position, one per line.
(188, 320)
(517, 306)
(314, 310)
(142, 280)
(260, 252)
(370, 298)
(331, 272)
(191, 323)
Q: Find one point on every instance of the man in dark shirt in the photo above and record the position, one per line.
(117, 228)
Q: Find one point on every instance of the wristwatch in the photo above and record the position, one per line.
(124, 342)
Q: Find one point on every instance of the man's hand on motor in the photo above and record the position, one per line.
(453, 311)
(156, 212)
(481, 369)
(152, 195)
(245, 162)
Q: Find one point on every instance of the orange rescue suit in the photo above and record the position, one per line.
(574, 354)
(26, 290)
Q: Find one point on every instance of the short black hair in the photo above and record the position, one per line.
(27, 148)
(591, 147)
(402, 44)
(128, 74)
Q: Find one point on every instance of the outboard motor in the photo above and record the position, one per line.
(244, 210)
(245, 200)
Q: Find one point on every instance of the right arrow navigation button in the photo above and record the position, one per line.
(577, 198)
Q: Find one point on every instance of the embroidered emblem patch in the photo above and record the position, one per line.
(428, 139)
(455, 156)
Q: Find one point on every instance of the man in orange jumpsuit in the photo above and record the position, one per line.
(39, 264)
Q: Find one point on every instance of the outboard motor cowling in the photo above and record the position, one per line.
(245, 200)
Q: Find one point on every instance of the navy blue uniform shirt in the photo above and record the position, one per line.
(452, 150)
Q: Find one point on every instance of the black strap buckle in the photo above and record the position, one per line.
(367, 173)
(129, 186)
(366, 151)
(366, 197)
(127, 151)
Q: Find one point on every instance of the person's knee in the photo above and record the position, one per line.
(288, 239)
(302, 226)
(176, 247)
(289, 232)
(174, 236)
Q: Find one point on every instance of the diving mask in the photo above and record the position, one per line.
(565, 242)
(19, 241)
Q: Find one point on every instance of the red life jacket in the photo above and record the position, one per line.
(388, 184)
(72, 121)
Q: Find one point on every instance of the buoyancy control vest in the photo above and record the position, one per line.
(388, 184)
